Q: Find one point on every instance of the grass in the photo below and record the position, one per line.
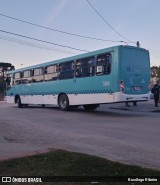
(63, 163)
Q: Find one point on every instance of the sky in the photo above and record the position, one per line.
(124, 20)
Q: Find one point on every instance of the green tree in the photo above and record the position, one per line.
(154, 71)
(1, 85)
(158, 72)
(4, 67)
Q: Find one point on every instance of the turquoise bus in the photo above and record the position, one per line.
(110, 75)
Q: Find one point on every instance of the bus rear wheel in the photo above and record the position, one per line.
(63, 102)
(90, 107)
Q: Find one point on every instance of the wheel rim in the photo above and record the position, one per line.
(63, 102)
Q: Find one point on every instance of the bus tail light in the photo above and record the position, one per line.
(121, 85)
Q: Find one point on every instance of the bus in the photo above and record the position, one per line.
(110, 75)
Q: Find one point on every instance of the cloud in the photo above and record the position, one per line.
(56, 10)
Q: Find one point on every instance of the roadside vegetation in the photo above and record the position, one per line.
(70, 164)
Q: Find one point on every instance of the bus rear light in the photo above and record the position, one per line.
(121, 85)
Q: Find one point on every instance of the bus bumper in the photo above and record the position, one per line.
(121, 97)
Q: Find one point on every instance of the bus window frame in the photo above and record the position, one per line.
(81, 60)
(71, 71)
(19, 80)
(9, 80)
(52, 75)
(102, 73)
(27, 79)
(35, 77)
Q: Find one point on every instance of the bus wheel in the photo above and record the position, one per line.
(63, 102)
(90, 107)
(134, 103)
(19, 102)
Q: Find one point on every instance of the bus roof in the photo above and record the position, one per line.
(76, 57)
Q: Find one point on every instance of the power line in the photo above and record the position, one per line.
(31, 44)
(107, 22)
(31, 38)
(60, 31)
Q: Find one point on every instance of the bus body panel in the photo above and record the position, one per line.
(129, 64)
(135, 70)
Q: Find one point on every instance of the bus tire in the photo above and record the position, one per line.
(19, 102)
(134, 103)
(90, 107)
(63, 102)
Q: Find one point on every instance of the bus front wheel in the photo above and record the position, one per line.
(63, 102)
(90, 107)
(19, 102)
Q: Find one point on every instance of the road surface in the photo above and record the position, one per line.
(128, 135)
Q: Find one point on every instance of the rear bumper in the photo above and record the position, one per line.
(120, 97)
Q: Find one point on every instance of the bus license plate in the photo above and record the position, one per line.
(137, 88)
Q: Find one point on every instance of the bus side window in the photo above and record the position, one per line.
(8, 80)
(66, 70)
(38, 75)
(27, 77)
(85, 67)
(51, 73)
(17, 78)
(103, 66)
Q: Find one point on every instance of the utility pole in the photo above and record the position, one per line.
(138, 44)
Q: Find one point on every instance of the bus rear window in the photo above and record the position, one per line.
(103, 66)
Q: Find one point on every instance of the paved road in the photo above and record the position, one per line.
(129, 135)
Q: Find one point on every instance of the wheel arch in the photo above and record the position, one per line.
(60, 95)
(16, 98)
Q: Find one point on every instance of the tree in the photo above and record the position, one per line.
(155, 71)
(158, 72)
(4, 67)
(1, 85)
